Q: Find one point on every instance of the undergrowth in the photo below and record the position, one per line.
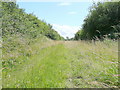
(52, 64)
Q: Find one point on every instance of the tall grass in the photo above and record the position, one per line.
(94, 64)
(53, 64)
(18, 48)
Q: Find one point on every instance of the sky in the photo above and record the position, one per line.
(65, 17)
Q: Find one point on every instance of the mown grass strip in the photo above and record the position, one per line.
(48, 69)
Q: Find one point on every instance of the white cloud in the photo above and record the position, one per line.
(72, 12)
(64, 4)
(66, 30)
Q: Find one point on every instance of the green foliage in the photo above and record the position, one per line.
(103, 20)
(80, 35)
(31, 60)
(18, 48)
(19, 32)
(15, 20)
(69, 64)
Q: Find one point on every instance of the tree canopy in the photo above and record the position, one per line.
(17, 21)
(103, 20)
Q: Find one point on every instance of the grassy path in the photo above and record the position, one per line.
(67, 64)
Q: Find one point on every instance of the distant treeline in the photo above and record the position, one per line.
(17, 21)
(102, 21)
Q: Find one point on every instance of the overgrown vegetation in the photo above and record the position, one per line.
(70, 64)
(32, 58)
(21, 30)
(103, 20)
(16, 21)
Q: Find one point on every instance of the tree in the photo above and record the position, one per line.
(17, 21)
(103, 20)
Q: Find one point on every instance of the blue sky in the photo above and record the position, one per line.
(66, 17)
